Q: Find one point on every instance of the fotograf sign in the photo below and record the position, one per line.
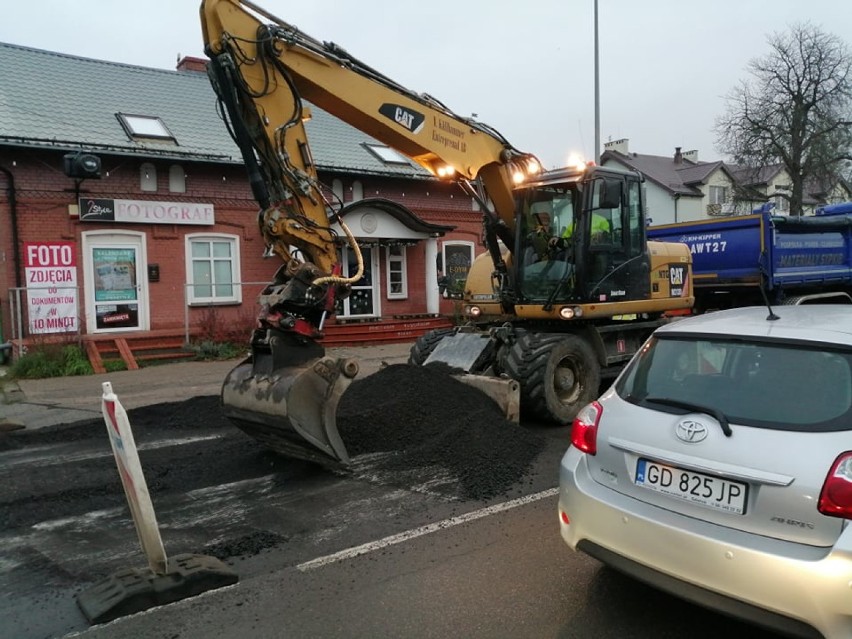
(146, 212)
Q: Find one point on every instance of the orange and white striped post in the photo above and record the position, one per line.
(133, 480)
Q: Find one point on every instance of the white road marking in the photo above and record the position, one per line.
(363, 549)
(47, 455)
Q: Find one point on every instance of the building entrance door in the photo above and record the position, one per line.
(116, 288)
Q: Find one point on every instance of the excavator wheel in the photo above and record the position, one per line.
(559, 374)
(425, 344)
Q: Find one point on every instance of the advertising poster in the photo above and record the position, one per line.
(116, 295)
(51, 275)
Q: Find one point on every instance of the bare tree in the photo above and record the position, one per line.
(795, 110)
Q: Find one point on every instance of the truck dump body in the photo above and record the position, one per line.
(789, 255)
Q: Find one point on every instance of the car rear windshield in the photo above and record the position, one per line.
(770, 385)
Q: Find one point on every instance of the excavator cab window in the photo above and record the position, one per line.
(616, 261)
(545, 243)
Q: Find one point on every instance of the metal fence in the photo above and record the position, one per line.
(24, 303)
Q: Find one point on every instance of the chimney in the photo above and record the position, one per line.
(692, 155)
(188, 63)
(678, 157)
(619, 146)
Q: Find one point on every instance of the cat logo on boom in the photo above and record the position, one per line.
(411, 120)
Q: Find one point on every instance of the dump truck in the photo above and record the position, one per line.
(566, 291)
(766, 257)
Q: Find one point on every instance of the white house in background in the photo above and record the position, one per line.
(679, 188)
(772, 184)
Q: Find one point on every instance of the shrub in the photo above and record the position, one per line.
(51, 360)
(208, 349)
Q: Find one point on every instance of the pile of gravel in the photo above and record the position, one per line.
(427, 418)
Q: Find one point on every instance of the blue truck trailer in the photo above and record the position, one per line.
(792, 258)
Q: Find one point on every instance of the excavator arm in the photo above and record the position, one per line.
(263, 71)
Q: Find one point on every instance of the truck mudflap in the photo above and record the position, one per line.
(291, 409)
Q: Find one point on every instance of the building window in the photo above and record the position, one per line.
(177, 179)
(718, 194)
(148, 177)
(144, 126)
(782, 204)
(457, 258)
(357, 191)
(213, 269)
(397, 273)
(387, 154)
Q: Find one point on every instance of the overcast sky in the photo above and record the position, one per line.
(524, 67)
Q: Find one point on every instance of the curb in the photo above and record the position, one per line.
(11, 393)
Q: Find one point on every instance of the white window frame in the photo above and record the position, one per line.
(717, 190)
(237, 291)
(396, 264)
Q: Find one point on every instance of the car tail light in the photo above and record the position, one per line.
(835, 500)
(584, 430)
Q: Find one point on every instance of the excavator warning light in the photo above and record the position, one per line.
(533, 167)
(576, 162)
(474, 311)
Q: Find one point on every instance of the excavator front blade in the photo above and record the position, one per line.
(291, 409)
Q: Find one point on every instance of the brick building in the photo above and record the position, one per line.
(168, 231)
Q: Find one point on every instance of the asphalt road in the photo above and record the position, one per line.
(425, 564)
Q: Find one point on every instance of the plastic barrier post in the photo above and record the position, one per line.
(135, 488)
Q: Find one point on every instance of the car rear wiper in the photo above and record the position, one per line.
(713, 412)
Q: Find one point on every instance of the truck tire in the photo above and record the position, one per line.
(558, 374)
(425, 344)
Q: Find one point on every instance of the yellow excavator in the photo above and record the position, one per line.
(568, 289)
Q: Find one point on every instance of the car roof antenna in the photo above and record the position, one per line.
(772, 316)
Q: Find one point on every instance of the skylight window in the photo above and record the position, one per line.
(144, 126)
(387, 154)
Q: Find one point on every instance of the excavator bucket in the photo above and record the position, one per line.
(466, 355)
(291, 409)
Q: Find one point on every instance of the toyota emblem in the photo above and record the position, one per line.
(690, 431)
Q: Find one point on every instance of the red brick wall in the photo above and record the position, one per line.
(43, 194)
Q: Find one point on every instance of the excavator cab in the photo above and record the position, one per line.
(591, 247)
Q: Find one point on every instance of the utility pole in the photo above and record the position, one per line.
(597, 93)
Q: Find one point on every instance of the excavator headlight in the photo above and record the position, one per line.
(533, 167)
(474, 311)
(566, 312)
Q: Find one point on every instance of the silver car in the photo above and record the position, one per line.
(718, 467)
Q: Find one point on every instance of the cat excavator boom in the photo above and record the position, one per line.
(267, 73)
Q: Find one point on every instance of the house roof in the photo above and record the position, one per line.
(58, 101)
(755, 176)
(683, 178)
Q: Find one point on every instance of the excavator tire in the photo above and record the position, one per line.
(558, 374)
(425, 344)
